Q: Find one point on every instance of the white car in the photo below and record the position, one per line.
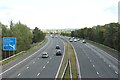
(71, 40)
(75, 40)
(83, 41)
(45, 55)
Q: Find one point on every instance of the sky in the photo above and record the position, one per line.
(59, 14)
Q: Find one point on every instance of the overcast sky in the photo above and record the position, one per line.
(59, 14)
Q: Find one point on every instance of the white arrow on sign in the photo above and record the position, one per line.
(12, 46)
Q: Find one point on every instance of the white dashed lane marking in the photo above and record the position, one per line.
(27, 67)
(116, 72)
(38, 74)
(43, 67)
(19, 74)
(90, 60)
(93, 65)
(48, 62)
(97, 73)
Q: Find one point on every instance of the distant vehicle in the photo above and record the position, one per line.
(71, 40)
(57, 47)
(75, 40)
(45, 55)
(52, 36)
(58, 52)
(83, 41)
(78, 39)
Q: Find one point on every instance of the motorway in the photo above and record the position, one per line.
(34, 66)
(94, 62)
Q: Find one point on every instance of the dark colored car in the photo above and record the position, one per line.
(58, 52)
(57, 47)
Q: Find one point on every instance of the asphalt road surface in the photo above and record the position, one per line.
(94, 62)
(34, 66)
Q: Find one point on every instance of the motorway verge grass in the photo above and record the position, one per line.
(73, 62)
(67, 74)
(23, 53)
(107, 49)
(64, 61)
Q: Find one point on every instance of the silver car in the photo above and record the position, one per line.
(45, 55)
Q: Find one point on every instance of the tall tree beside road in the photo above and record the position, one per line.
(23, 36)
(5, 31)
(108, 34)
(38, 35)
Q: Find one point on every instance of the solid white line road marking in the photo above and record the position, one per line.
(116, 72)
(93, 65)
(60, 62)
(38, 74)
(43, 67)
(19, 74)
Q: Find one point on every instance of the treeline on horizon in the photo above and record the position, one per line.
(25, 37)
(108, 34)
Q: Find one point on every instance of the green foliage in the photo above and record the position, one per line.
(109, 34)
(23, 35)
(38, 35)
(65, 34)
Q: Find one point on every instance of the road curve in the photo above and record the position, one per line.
(94, 62)
(37, 67)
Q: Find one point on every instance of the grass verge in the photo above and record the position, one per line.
(67, 74)
(73, 62)
(64, 62)
(107, 49)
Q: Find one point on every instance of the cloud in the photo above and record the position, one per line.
(59, 13)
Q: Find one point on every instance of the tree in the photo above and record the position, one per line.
(38, 35)
(23, 36)
(108, 34)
